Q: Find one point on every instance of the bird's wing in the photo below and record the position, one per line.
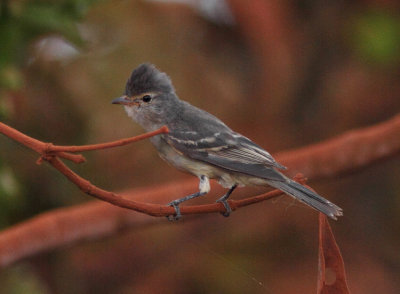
(247, 151)
(227, 150)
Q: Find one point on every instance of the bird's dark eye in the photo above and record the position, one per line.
(146, 98)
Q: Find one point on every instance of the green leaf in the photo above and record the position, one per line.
(376, 37)
(11, 199)
(40, 20)
(10, 78)
(11, 44)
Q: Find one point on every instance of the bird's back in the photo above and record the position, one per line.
(193, 119)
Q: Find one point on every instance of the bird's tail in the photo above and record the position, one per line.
(308, 197)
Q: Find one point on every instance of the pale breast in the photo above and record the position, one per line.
(226, 178)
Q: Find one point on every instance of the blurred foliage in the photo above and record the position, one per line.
(11, 282)
(376, 37)
(10, 78)
(4, 109)
(22, 22)
(22, 25)
(10, 195)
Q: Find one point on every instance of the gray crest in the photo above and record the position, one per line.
(147, 78)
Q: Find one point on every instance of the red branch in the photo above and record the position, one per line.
(96, 220)
(50, 153)
(149, 208)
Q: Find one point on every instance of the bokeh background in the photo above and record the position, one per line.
(284, 73)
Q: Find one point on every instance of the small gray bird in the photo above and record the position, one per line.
(201, 144)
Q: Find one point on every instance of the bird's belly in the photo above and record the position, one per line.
(198, 168)
(229, 178)
(186, 164)
(183, 162)
(226, 178)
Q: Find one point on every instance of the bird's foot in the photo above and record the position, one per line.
(177, 215)
(228, 209)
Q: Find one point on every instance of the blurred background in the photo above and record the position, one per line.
(284, 73)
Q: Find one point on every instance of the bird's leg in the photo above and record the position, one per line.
(204, 188)
(224, 201)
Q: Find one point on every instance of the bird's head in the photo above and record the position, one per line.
(149, 97)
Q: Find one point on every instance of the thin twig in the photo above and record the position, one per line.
(117, 143)
(49, 149)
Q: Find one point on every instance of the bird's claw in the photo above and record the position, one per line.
(178, 214)
(228, 209)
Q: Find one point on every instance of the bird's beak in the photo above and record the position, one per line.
(121, 100)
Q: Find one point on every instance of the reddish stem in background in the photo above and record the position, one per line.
(331, 273)
(347, 153)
